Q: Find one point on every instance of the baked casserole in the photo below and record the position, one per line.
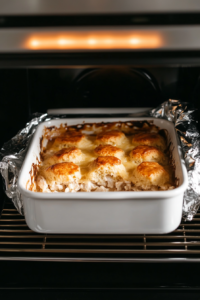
(94, 157)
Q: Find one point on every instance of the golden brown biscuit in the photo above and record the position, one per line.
(112, 137)
(108, 150)
(102, 161)
(70, 139)
(62, 173)
(149, 139)
(106, 169)
(146, 153)
(71, 154)
(149, 174)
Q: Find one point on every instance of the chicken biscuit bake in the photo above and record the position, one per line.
(118, 156)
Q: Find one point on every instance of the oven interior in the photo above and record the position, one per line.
(27, 90)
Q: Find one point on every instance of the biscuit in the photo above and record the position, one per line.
(105, 170)
(147, 153)
(112, 137)
(149, 174)
(108, 150)
(61, 173)
(71, 154)
(149, 139)
(70, 139)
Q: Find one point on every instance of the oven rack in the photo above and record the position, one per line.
(18, 242)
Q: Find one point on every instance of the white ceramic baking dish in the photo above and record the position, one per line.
(103, 212)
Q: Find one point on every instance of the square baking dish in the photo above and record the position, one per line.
(123, 212)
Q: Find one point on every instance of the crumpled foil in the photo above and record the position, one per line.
(181, 114)
(12, 155)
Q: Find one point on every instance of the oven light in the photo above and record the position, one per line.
(134, 41)
(99, 41)
(108, 41)
(92, 41)
(62, 42)
(34, 43)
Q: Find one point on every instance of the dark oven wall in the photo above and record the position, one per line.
(25, 91)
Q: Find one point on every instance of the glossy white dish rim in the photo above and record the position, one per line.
(99, 195)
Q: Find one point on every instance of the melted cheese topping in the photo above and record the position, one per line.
(87, 144)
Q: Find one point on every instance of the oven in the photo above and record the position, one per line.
(96, 59)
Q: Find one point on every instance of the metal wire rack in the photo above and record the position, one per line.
(18, 242)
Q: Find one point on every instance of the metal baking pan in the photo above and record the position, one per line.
(128, 212)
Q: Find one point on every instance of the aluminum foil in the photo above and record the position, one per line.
(183, 117)
(12, 155)
(181, 114)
